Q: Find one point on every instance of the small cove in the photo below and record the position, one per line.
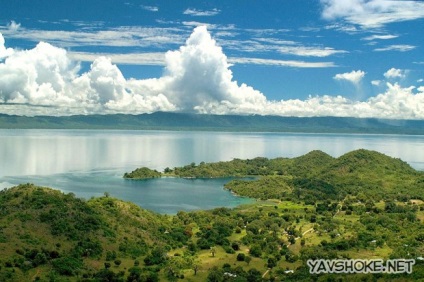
(89, 163)
(164, 195)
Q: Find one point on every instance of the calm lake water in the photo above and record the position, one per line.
(89, 162)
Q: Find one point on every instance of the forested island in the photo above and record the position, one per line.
(362, 205)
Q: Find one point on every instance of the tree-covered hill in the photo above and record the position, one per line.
(315, 176)
(374, 174)
(350, 207)
(143, 173)
(45, 233)
(311, 163)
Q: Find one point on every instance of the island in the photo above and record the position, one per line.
(362, 205)
(143, 173)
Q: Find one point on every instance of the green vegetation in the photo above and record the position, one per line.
(143, 173)
(315, 176)
(361, 205)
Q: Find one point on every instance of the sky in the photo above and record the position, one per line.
(355, 58)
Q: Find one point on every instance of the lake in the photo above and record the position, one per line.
(91, 162)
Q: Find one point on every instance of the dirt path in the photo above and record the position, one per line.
(309, 230)
(35, 275)
(303, 234)
(266, 272)
(340, 205)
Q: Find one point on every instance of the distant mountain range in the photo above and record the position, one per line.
(186, 121)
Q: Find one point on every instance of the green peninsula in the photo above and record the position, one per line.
(314, 176)
(362, 205)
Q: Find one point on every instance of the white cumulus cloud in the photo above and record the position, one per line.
(4, 52)
(45, 76)
(394, 73)
(197, 78)
(395, 103)
(354, 77)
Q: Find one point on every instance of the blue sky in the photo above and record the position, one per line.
(361, 58)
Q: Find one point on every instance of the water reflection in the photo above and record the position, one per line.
(89, 163)
(47, 152)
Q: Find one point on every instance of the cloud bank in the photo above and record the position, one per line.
(197, 78)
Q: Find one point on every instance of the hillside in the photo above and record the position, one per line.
(312, 211)
(314, 176)
(45, 232)
(46, 235)
(185, 121)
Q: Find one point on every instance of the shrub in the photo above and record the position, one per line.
(241, 257)
(67, 265)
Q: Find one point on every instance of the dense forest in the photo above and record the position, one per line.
(361, 205)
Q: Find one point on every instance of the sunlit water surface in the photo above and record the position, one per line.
(91, 162)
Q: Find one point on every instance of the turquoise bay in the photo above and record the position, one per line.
(91, 162)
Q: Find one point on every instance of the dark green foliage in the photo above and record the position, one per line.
(149, 275)
(313, 188)
(235, 246)
(179, 235)
(143, 173)
(236, 167)
(110, 255)
(135, 273)
(215, 235)
(255, 251)
(68, 266)
(88, 248)
(215, 274)
(309, 164)
(72, 231)
(108, 275)
(269, 187)
(76, 233)
(133, 248)
(241, 256)
(315, 176)
(156, 257)
(73, 223)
